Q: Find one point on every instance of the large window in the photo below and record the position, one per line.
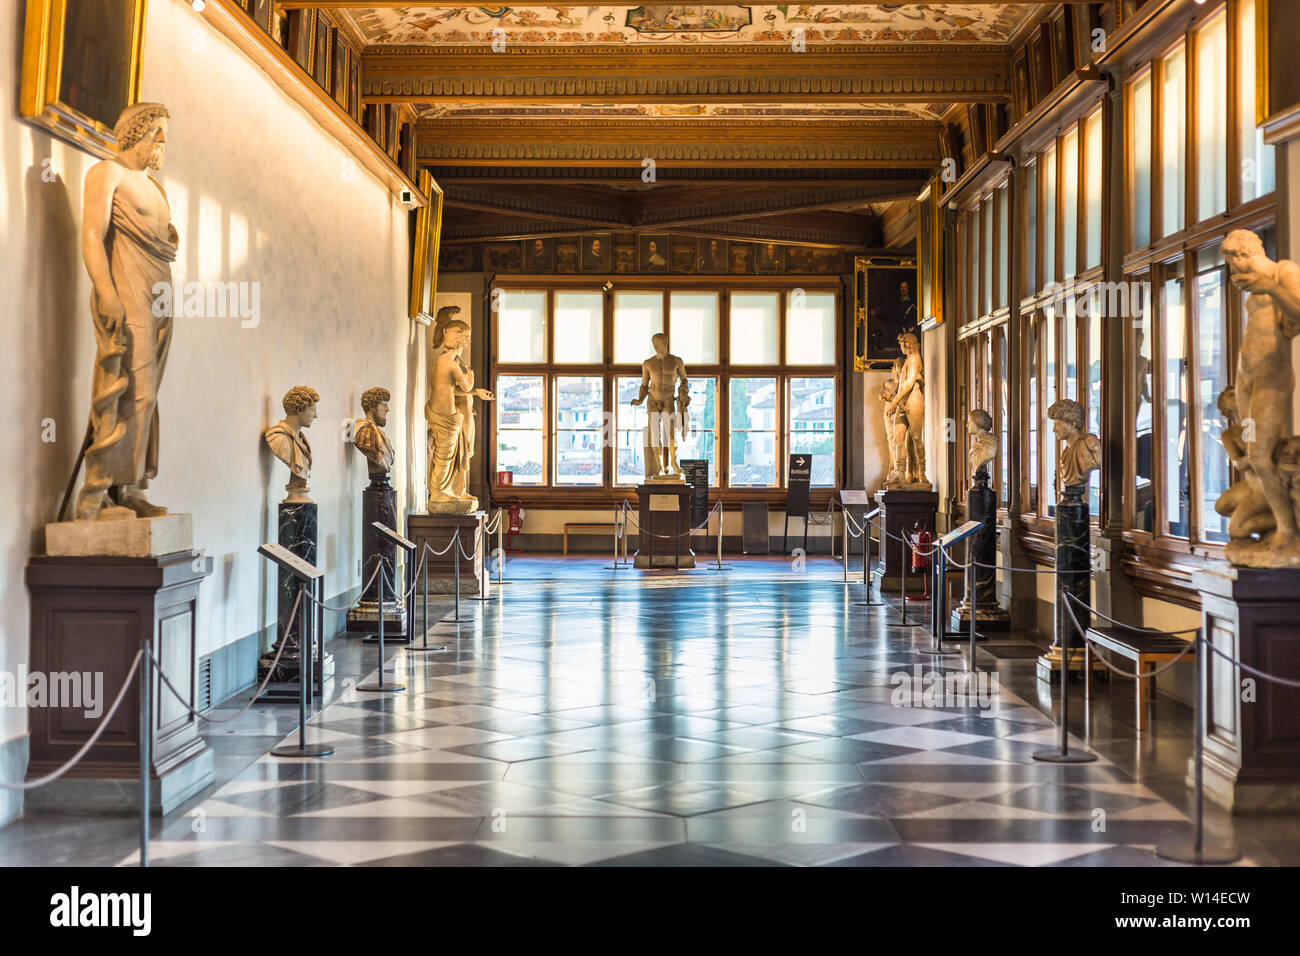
(761, 364)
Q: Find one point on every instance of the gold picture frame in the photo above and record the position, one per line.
(425, 251)
(929, 235)
(880, 312)
(77, 86)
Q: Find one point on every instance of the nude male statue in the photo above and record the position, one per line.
(1266, 380)
(910, 399)
(660, 375)
(128, 244)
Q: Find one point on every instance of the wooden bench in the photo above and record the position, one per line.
(585, 526)
(1145, 650)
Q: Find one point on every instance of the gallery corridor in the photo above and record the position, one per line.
(743, 717)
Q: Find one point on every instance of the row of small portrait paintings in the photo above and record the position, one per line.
(649, 253)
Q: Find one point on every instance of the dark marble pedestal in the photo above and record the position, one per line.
(900, 510)
(89, 616)
(437, 530)
(982, 506)
(1251, 733)
(378, 503)
(297, 532)
(1073, 576)
(664, 524)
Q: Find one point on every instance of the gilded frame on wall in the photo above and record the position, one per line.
(929, 235)
(71, 84)
(876, 290)
(425, 249)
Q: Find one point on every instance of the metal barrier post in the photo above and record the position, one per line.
(1065, 754)
(146, 740)
(455, 543)
(380, 684)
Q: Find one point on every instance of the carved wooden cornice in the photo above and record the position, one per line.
(913, 178)
(733, 73)
(734, 143)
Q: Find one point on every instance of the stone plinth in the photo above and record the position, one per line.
(89, 616)
(1073, 576)
(378, 503)
(982, 506)
(664, 524)
(1252, 746)
(437, 530)
(297, 532)
(124, 538)
(900, 510)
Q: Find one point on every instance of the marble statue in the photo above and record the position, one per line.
(983, 444)
(908, 406)
(449, 415)
(1243, 504)
(368, 436)
(1265, 389)
(289, 444)
(661, 375)
(888, 389)
(1082, 452)
(128, 243)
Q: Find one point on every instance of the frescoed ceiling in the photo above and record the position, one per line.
(706, 23)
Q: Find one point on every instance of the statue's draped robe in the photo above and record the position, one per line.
(371, 441)
(291, 449)
(140, 257)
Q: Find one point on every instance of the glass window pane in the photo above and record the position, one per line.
(1030, 257)
(1032, 352)
(811, 417)
(1093, 398)
(1049, 215)
(986, 255)
(1002, 247)
(579, 421)
(1092, 156)
(1212, 356)
(579, 326)
(637, 316)
(1143, 503)
(1139, 138)
(1175, 478)
(629, 448)
(1051, 449)
(703, 424)
(1069, 202)
(753, 328)
(521, 327)
(694, 324)
(1211, 117)
(1173, 140)
(1256, 158)
(753, 432)
(1070, 349)
(520, 427)
(810, 328)
(1004, 418)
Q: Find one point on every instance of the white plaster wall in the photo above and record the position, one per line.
(259, 194)
(875, 443)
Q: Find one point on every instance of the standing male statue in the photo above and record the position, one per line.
(1265, 387)
(449, 415)
(128, 244)
(660, 375)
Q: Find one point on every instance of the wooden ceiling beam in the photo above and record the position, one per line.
(395, 4)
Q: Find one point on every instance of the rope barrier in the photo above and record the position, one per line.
(1123, 673)
(346, 607)
(77, 757)
(687, 533)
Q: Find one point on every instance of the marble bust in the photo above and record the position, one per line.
(368, 436)
(1265, 391)
(128, 244)
(1082, 452)
(289, 444)
(662, 375)
(983, 445)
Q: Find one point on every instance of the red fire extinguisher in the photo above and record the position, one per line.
(921, 548)
(516, 523)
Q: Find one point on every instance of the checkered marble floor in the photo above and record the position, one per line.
(746, 717)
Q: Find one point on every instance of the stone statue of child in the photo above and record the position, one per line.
(128, 243)
(289, 444)
(660, 375)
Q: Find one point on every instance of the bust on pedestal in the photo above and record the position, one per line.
(1080, 456)
(297, 532)
(378, 503)
(664, 499)
(982, 506)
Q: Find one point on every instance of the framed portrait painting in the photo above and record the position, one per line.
(595, 252)
(884, 308)
(652, 253)
(81, 68)
(424, 246)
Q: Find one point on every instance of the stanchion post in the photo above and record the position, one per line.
(380, 683)
(455, 544)
(501, 549)
(973, 590)
(1065, 754)
(844, 520)
(146, 741)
